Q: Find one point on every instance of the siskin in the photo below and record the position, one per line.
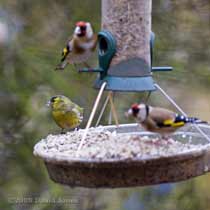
(66, 114)
(159, 120)
(80, 47)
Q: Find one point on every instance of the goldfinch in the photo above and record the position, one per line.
(65, 113)
(159, 120)
(80, 47)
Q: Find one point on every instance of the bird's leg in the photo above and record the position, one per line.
(62, 131)
(157, 141)
(77, 128)
(75, 66)
(61, 66)
(166, 137)
(86, 65)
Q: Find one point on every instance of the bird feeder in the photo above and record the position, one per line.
(125, 55)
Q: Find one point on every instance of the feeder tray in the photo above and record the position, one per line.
(172, 164)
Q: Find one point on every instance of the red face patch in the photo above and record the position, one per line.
(135, 106)
(81, 23)
(135, 109)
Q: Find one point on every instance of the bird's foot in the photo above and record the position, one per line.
(76, 67)
(59, 68)
(158, 142)
(77, 128)
(166, 139)
(86, 65)
(62, 131)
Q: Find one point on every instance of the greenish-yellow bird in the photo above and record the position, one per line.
(65, 113)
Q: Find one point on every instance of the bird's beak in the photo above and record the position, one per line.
(77, 30)
(48, 104)
(129, 113)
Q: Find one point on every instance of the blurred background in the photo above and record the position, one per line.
(32, 35)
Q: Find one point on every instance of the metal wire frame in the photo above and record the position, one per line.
(113, 112)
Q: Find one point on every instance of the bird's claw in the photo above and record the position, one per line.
(63, 132)
(58, 68)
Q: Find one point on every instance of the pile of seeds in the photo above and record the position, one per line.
(101, 144)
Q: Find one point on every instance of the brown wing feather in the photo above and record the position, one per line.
(159, 115)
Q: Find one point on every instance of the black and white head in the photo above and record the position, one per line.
(58, 101)
(83, 29)
(138, 111)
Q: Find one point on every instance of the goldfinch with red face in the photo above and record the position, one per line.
(80, 47)
(159, 120)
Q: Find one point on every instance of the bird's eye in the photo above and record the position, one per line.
(83, 28)
(53, 99)
(135, 110)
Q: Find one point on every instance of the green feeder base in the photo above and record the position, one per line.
(128, 84)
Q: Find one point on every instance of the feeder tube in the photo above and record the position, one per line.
(129, 21)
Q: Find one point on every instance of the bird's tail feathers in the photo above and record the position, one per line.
(195, 120)
(185, 119)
